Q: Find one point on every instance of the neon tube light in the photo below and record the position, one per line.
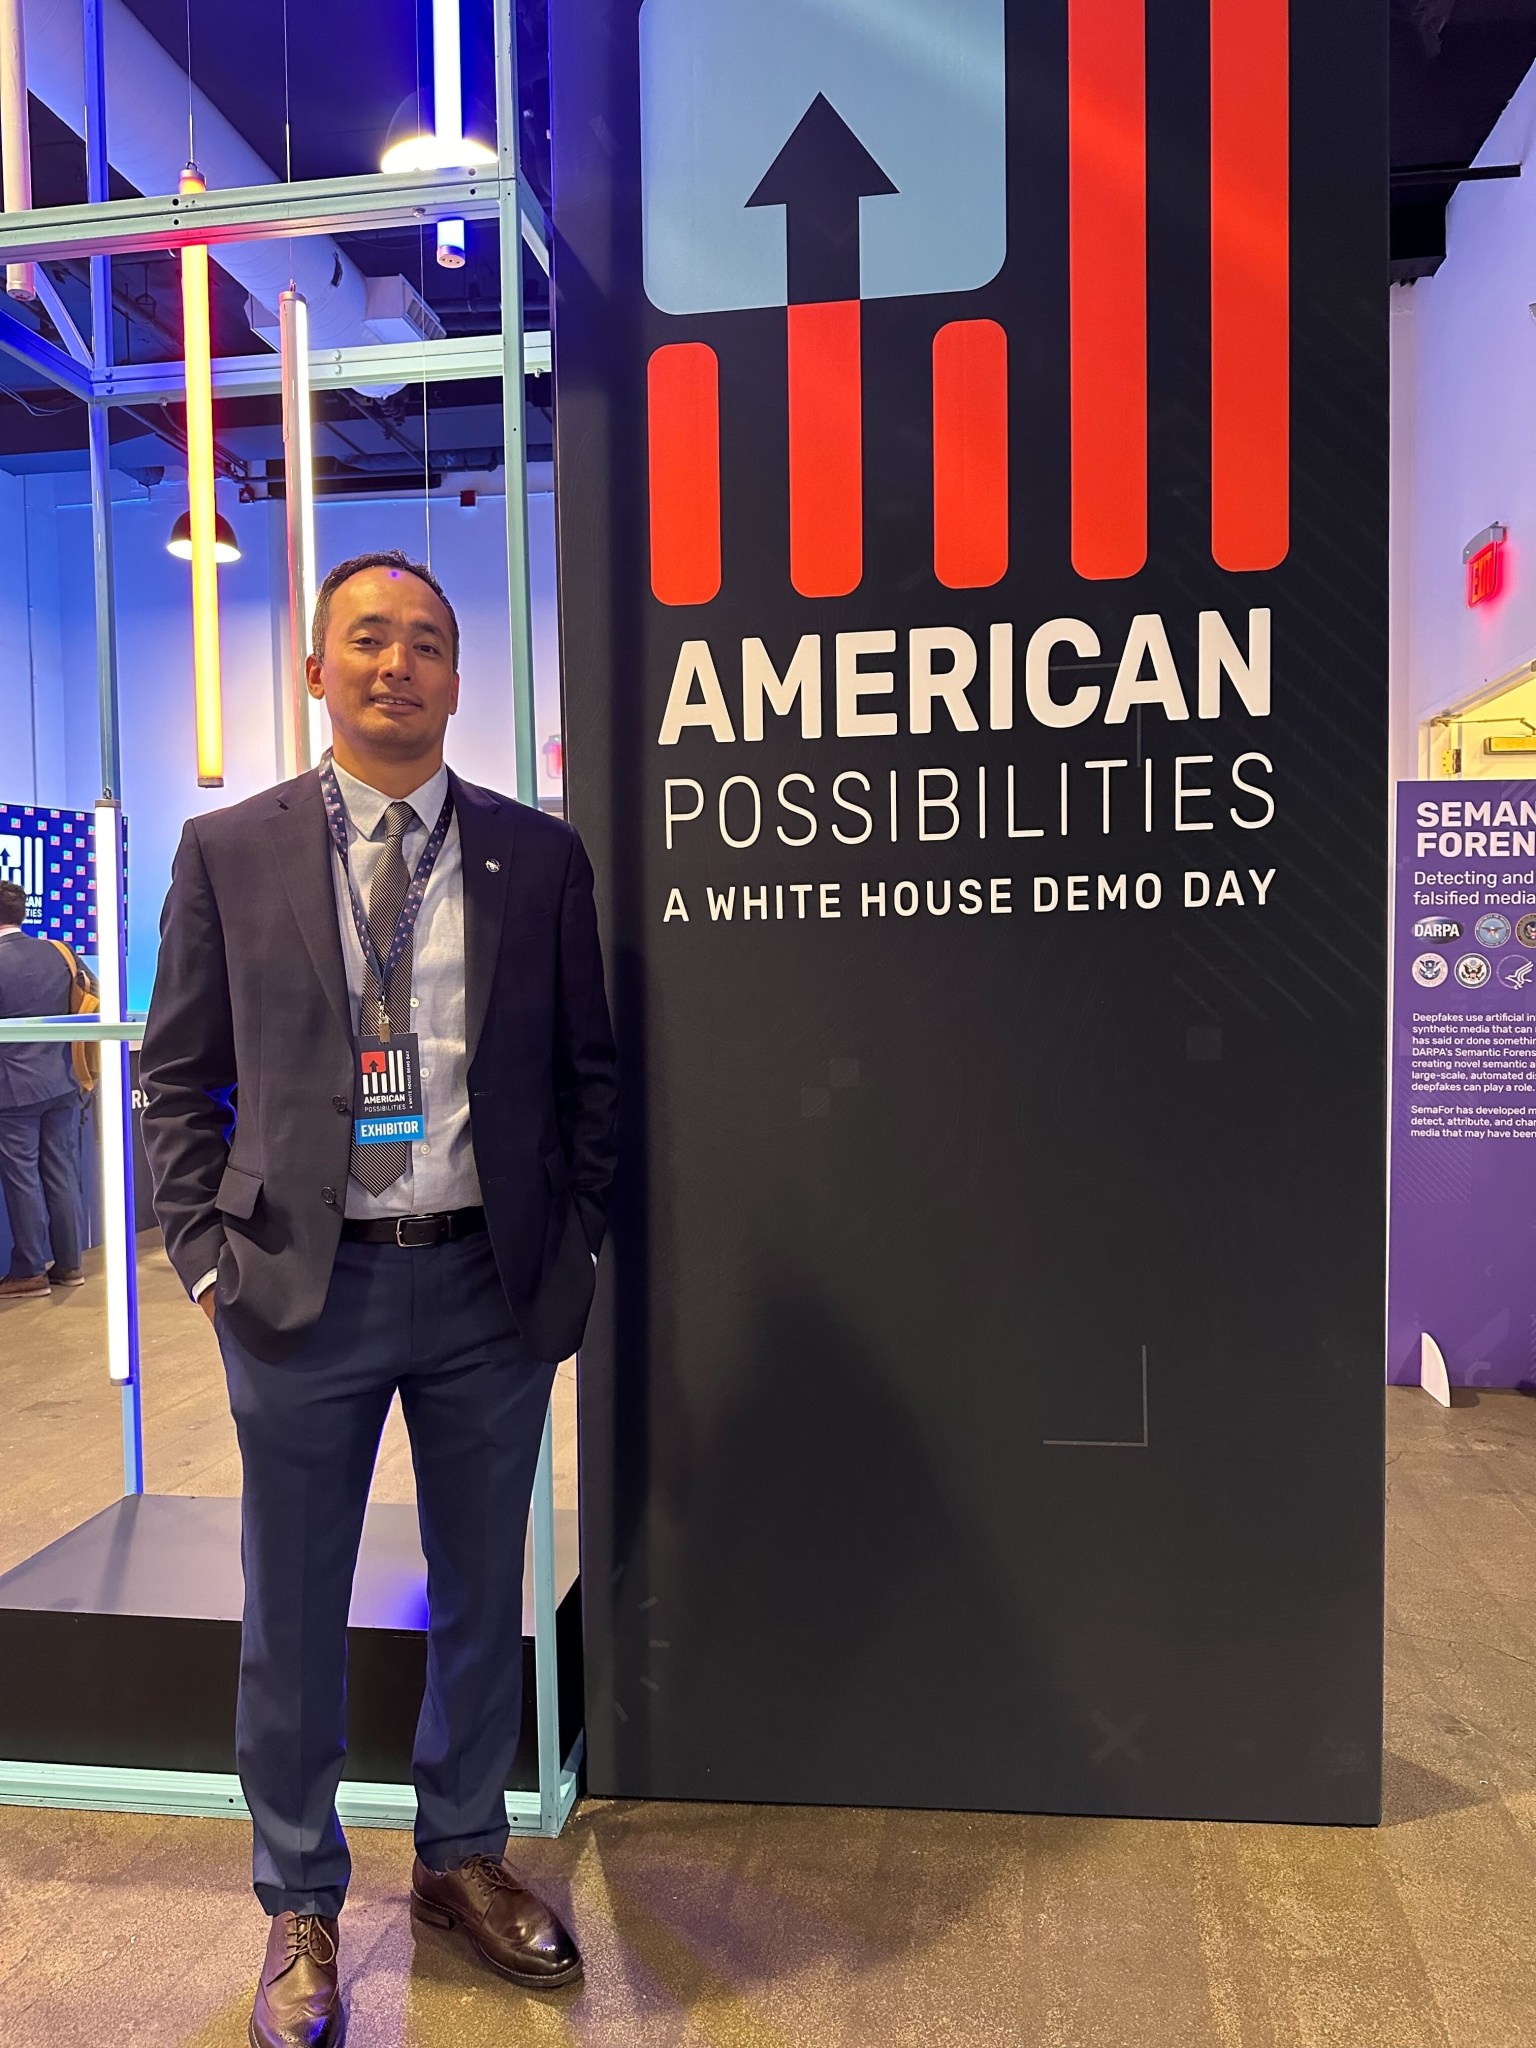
(15, 145)
(306, 723)
(445, 147)
(116, 1133)
(448, 114)
(198, 350)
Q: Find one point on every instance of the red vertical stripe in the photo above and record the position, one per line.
(826, 449)
(1250, 283)
(1107, 110)
(683, 392)
(970, 454)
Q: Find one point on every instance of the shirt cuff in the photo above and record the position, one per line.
(201, 1287)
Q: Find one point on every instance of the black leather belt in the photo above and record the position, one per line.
(414, 1231)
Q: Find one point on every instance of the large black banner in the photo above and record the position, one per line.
(972, 512)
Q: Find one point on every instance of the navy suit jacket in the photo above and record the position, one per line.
(248, 1058)
(34, 982)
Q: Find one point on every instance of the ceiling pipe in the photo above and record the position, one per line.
(147, 142)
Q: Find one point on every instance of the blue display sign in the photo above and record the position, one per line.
(50, 854)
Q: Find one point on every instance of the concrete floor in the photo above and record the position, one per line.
(725, 1927)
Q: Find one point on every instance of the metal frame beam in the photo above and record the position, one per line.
(97, 1030)
(74, 342)
(538, 231)
(360, 1803)
(457, 357)
(19, 339)
(248, 213)
(510, 188)
(513, 214)
(97, 231)
(259, 213)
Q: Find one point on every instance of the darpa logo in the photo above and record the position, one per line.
(1438, 930)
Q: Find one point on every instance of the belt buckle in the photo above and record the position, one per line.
(415, 1233)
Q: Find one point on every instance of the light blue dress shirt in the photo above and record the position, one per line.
(440, 1171)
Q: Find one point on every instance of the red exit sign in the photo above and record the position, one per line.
(1484, 557)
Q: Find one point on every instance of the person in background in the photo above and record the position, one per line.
(39, 1115)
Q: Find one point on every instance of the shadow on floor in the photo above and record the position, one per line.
(1410, 1792)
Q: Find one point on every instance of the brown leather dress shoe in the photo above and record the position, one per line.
(17, 1285)
(512, 1932)
(298, 2001)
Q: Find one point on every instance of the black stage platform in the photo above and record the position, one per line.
(119, 1643)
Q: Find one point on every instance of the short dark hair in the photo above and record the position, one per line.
(13, 903)
(384, 558)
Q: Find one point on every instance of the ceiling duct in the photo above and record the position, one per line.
(393, 310)
(147, 143)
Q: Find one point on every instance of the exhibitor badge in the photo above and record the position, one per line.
(386, 1095)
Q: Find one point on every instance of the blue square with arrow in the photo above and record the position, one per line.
(815, 150)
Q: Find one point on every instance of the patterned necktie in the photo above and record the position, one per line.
(377, 1167)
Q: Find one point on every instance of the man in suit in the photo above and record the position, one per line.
(379, 1114)
(39, 1115)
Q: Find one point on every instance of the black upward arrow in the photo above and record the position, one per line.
(819, 177)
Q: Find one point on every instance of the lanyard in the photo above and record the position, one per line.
(410, 910)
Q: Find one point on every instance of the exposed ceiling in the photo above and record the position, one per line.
(314, 89)
(1455, 66)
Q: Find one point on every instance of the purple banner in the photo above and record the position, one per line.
(1463, 1188)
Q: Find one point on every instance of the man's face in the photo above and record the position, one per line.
(387, 674)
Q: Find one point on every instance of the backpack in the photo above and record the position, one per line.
(84, 1001)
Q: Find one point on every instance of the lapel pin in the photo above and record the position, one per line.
(493, 867)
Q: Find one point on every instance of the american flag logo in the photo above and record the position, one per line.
(1248, 229)
(22, 862)
(384, 1076)
(50, 855)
